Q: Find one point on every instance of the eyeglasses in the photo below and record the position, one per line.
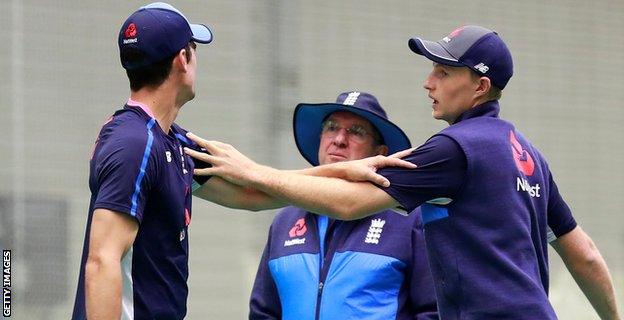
(356, 132)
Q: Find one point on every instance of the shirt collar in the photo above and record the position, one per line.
(486, 109)
(144, 107)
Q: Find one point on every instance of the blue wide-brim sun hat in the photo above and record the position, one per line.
(308, 118)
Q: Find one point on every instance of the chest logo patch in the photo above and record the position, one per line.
(374, 231)
(299, 229)
(168, 155)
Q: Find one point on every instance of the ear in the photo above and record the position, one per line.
(382, 150)
(484, 85)
(180, 60)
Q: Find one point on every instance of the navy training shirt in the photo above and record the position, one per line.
(139, 170)
(489, 204)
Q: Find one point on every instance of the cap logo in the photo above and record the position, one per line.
(482, 67)
(351, 98)
(453, 34)
(130, 31)
(130, 34)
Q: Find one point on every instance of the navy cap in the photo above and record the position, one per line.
(477, 48)
(309, 117)
(155, 32)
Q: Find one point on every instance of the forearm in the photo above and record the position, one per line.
(590, 271)
(329, 170)
(103, 289)
(234, 196)
(593, 277)
(333, 197)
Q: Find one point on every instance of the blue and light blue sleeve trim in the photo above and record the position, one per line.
(139, 179)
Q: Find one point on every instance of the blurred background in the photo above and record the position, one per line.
(61, 78)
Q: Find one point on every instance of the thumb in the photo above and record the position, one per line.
(402, 153)
(378, 179)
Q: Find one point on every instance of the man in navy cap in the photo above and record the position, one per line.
(135, 256)
(489, 202)
(309, 262)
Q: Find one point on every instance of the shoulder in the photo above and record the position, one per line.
(126, 134)
(128, 125)
(439, 147)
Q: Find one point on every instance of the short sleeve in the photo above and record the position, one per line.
(560, 219)
(439, 176)
(124, 172)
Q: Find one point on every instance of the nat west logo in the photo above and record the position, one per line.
(524, 185)
(293, 242)
(374, 231)
(525, 164)
(453, 34)
(130, 31)
(351, 98)
(130, 34)
(524, 161)
(299, 229)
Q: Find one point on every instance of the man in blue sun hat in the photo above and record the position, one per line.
(489, 201)
(135, 255)
(317, 267)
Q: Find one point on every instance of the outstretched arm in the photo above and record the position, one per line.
(362, 170)
(589, 270)
(234, 196)
(336, 198)
(231, 195)
(330, 196)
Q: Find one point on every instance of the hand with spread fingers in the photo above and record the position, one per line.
(366, 169)
(233, 166)
(227, 162)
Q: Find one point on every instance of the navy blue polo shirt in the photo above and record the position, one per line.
(139, 170)
(489, 205)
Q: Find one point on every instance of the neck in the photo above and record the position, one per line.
(163, 103)
(479, 101)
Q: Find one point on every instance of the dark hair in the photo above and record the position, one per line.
(152, 75)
